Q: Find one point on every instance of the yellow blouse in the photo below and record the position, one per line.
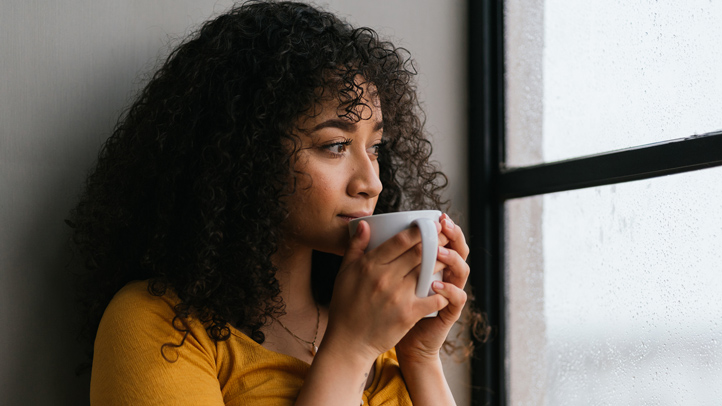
(129, 368)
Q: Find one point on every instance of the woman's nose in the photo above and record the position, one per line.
(365, 178)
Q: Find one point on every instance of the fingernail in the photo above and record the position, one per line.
(438, 285)
(449, 224)
(443, 251)
(358, 228)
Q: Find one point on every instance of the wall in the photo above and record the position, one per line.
(67, 72)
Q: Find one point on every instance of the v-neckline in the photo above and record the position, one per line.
(246, 338)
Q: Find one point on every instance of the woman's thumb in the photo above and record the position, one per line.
(359, 241)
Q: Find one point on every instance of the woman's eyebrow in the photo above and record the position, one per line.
(344, 125)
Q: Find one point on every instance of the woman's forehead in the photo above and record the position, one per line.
(365, 107)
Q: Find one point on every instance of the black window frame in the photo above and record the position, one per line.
(491, 183)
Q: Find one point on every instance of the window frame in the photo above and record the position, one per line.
(491, 183)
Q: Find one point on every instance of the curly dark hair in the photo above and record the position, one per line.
(187, 191)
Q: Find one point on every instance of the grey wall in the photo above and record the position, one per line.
(66, 72)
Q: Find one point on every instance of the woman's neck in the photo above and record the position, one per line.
(294, 279)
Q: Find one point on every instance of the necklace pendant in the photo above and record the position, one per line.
(314, 350)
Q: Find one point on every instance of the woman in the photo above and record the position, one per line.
(214, 226)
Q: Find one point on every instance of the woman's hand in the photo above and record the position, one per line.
(424, 340)
(374, 302)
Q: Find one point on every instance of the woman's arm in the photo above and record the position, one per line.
(374, 305)
(336, 377)
(426, 382)
(418, 351)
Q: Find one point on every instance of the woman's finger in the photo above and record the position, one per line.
(409, 263)
(456, 297)
(457, 241)
(443, 239)
(430, 304)
(416, 272)
(457, 270)
(358, 243)
(396, 246)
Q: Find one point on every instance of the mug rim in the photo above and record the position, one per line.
(397, 212)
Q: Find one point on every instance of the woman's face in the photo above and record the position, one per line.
(338, 179)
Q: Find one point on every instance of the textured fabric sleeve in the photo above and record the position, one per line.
(388, 387)
(138, 359)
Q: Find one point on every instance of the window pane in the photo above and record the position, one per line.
(584, 77)
(614, 294)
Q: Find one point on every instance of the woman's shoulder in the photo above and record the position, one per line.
(144, 354)
(134, 303)
(136, 314)
(138, 292)
(137, 319)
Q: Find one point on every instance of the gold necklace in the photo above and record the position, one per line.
(314, 347)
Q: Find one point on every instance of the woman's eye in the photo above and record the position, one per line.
(337, 148)
(376, 148)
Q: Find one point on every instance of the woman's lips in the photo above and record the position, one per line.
(350, 216)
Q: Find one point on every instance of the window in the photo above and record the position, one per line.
(596, 202)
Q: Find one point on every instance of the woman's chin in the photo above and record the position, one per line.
(339, 250)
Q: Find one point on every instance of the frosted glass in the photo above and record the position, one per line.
(614, 294)
(584, 77)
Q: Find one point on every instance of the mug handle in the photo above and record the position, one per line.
(429, 245)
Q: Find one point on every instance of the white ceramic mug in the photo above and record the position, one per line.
(384, 226)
